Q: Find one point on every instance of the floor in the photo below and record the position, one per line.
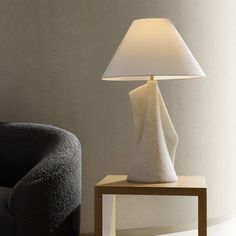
(227, 228)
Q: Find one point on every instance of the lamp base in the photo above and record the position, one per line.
(157, 139)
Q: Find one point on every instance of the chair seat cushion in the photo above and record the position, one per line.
(7, 221)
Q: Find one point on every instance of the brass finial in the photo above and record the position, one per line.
(152, 77)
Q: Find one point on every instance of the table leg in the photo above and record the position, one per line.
(97, 213)
(109, 215)
(104, 214)
(202, 213)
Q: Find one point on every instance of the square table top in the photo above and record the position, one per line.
(182, 182)
(118, 184)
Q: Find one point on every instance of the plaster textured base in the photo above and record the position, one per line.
(156, 137)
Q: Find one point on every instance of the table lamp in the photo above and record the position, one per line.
(152, 50)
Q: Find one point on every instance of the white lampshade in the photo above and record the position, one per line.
(152, 47)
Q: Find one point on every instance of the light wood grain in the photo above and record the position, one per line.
(108, 214)
(97, 212)
(183, 182)
(185, 186)
(202, 213)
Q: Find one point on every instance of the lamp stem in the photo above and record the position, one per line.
(152, 77)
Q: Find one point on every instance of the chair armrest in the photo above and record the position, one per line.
(50, 192)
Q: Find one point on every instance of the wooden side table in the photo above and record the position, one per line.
(111, 185)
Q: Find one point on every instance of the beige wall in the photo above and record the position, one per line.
(52, 55)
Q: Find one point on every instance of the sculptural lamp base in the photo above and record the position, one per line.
(156, 137)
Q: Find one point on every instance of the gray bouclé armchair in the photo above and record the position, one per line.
(40, 181)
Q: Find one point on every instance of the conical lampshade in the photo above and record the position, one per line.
(152, 47)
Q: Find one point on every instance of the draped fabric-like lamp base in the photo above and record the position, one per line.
(156, 137)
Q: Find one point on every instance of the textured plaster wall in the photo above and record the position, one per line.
(52, 55)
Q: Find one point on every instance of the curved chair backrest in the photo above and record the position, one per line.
(43, 165)
(21, 147)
